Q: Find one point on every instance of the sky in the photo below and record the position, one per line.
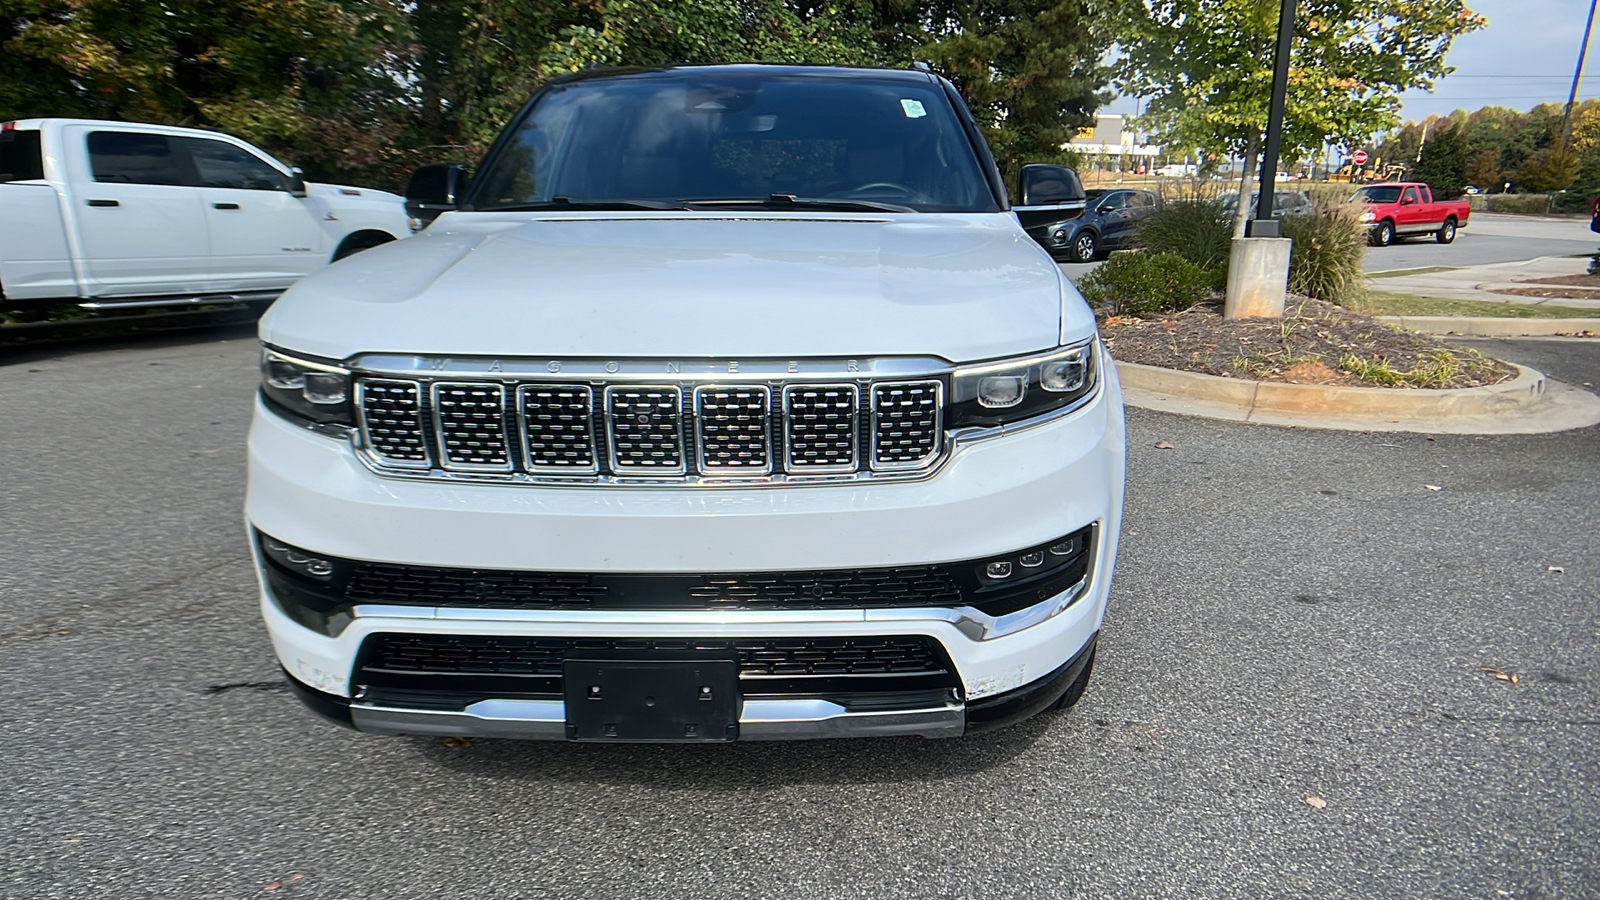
(1526, 56)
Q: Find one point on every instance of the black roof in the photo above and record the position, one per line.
(770, 69)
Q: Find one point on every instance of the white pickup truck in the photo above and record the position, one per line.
(115, 214)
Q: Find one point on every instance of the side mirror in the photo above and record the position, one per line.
(297, 182)
(433, 190)
(1407, 201)
(1039, 184)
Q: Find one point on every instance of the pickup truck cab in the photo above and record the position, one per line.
(728, 403)
(1401, 209)
(116, 214)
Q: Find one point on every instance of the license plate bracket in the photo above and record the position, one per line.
(621, 700)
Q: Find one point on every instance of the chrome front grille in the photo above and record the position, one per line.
(646, 426)
(471, 423)
(733, 432)
(591, 430)
(391, 422)
(557, 423)
(906, 417)
(820, 427)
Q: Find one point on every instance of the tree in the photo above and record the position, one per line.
(1443, 166)
(1552, 169)
(1029, 69)
(1483, 170)
(1205, 68)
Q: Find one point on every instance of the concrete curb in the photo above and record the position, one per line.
(1527, 404)
(1336, 400)
(1492, 326)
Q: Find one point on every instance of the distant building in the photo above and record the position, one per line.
(1110, 138)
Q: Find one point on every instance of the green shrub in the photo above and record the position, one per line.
(1325, 261)
(1200, 231)
(1139, 284)
(1528, 204)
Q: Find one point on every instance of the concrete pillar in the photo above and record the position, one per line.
(1258, 278)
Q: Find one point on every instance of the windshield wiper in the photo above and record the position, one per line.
(790, 201)
(562, 202)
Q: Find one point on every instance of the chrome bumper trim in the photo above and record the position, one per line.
(760, 720)
(974, 623)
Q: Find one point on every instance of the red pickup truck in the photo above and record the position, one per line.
(1401, 209)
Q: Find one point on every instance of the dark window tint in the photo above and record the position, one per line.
(1383, 194)
(1411, 194)
(20, 159)
(124, 157)
(221, 165)
(1116, 201)
(698, 135)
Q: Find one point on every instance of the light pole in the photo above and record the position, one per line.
(1265, 225)
(1572, 98)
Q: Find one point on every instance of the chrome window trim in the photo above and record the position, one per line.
(855, 431)
(522, 431)
(724, 470)
(368, 453)
(682, 468)
(938, 427)
(438, 428)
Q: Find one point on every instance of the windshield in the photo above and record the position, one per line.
(691, 136)
(1379, 194)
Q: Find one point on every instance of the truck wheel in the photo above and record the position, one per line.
(1383, 235)
(1075, 690)
(1446, 232)
(1085, 247)
(361, 240)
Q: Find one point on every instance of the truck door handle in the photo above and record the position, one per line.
(104, 203)
(224, 206)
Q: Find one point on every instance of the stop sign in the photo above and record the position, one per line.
(1359, 157)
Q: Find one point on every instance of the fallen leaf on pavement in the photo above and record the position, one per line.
(1433, 487)
(1163, 445)
(1499, 675)
(456, 742)
(1317, 802)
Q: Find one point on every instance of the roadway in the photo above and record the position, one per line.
(1296, 617)
(1489, 238)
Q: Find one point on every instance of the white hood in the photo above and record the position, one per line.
(962, 287)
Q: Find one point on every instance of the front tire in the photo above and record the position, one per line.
(1447, 232)
(1383, 235)
(1085, 247)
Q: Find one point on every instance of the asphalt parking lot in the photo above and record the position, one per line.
(1298, 695)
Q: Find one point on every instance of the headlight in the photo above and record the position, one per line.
(306, 388)
(1369, 216)
(1012, 390)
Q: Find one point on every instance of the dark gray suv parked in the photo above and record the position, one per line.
(1109, 221)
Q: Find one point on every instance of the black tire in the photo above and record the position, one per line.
(1447, 232)
(1075, 690)
(1383, 234)
(361, 240)
(1085, 247)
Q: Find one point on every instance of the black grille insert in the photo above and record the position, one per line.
(391, 413)
(766, 665)
(558, 428)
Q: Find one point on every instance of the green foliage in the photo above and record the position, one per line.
(1030, 69)
(1205, 66)
(1141, 284)
(1325, 259)
(365, 90)
(1553, 168)
(1200, 231)
(1527, 204)
(1443, 166)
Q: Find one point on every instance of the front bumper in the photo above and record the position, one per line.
(992, 497)
(759, 720)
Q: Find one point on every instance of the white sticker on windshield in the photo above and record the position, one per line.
(913, 109)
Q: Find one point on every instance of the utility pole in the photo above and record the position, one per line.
(1572, 98)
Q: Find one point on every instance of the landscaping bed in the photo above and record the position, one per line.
(1314, 343)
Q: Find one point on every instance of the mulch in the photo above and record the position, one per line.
(1569, 280)
(1314, 343)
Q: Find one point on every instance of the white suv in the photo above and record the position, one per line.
(729, 403)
